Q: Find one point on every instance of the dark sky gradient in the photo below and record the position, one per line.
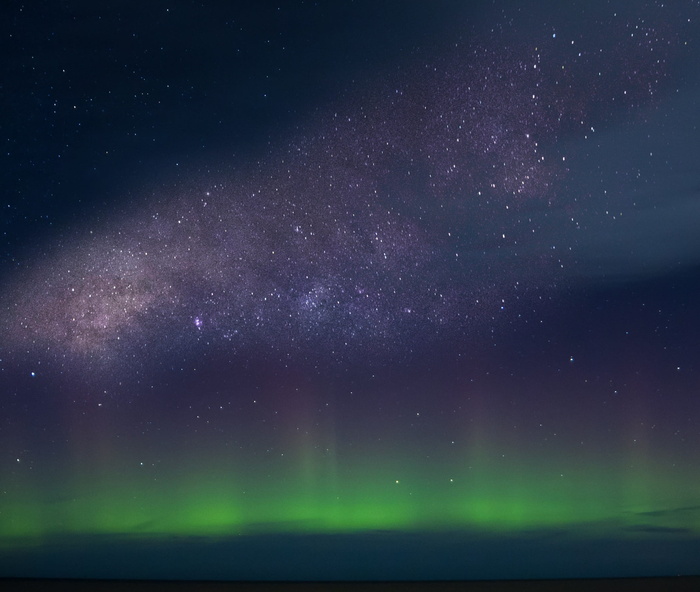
(363, 290)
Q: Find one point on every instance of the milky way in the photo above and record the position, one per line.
(334, 291)
(416, 207)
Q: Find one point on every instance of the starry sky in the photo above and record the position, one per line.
(349, 290)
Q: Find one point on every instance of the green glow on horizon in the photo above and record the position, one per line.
(381, 495)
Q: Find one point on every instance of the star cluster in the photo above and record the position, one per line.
(318, 278)
(410, 210)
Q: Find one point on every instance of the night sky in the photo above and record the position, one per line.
(348, 290)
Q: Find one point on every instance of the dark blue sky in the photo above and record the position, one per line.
(357, 270)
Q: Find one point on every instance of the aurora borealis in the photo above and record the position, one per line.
(318, 279)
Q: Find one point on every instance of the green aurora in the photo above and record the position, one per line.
(313, 492)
